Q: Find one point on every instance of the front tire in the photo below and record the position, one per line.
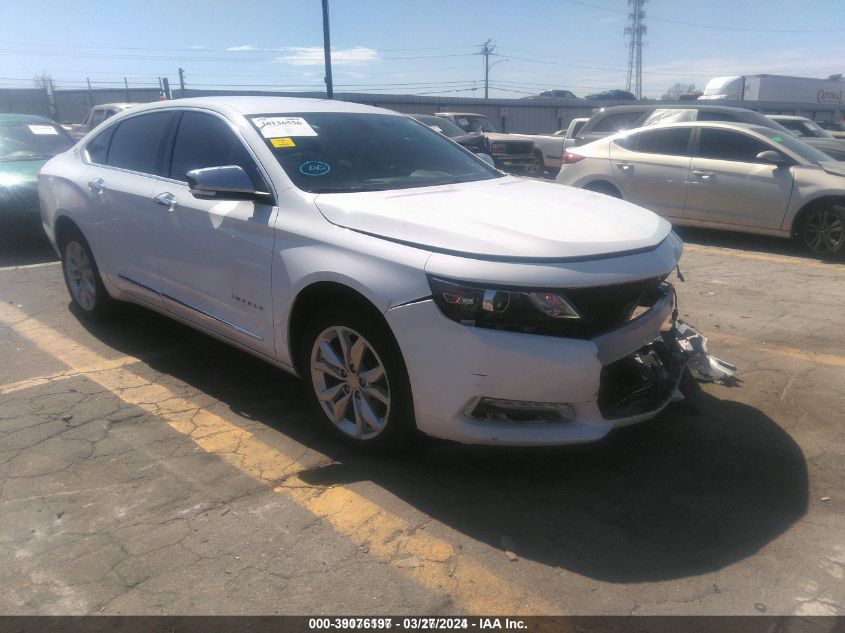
(82, 277)
(357, 381)
(822, 231)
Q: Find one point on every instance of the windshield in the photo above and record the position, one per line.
(21, 141)
(473, 123)
(805, 129)
(439, 124)
(832, 125)
(341, 152)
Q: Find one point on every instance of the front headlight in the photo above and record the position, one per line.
(528, 310)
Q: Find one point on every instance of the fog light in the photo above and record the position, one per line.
(497, 410)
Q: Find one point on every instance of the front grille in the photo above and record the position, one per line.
(604, 308)
(511, 148)
(518, 149)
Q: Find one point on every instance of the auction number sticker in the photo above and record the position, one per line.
(43, 129)
(283, 126)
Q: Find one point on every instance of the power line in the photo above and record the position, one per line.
(721, 27)
(233, 49)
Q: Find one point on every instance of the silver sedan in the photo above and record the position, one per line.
(730, 176)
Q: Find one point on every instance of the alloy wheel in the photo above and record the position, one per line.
(80, 276)
(350, 382)
(824, 232)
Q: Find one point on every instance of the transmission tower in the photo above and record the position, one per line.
(635, 31)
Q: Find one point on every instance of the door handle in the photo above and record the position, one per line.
(704, 175)
(625, 166)
(98, 185)
(166, 199)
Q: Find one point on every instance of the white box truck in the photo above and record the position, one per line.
(776, 88)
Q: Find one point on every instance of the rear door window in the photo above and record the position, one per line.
(204, 140)
(729, 145)
(616, 122)
(670, 142)
(99, 117)
(715, 115)
(137, 141)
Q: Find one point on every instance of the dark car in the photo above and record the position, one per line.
(26, 143)
(475, 142)
(612, 95)
(553, 94)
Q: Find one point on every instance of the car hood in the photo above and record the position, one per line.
(835, 167)
(499, 136)
(825, 143)
(19, 171)
(503, 218)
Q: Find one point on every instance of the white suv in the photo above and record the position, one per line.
(408, 283)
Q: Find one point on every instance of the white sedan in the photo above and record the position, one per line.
(408, 283)
(731, 176)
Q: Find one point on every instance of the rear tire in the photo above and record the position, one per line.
(822, 231)
(82, 277)
(357, 381)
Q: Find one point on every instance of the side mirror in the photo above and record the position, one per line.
(772, 157)
(486, 158)
(228, 182)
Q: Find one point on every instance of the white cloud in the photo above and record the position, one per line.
(243, 47)
(313, 56)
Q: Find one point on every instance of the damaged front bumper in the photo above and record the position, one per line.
(465, 379)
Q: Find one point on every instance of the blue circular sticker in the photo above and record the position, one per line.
(314, 168)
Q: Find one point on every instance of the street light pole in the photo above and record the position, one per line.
(327, 50)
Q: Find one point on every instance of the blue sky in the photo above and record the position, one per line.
(414, 47)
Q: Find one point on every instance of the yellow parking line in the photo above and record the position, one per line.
(778, 259)
(473, 587)
(115, 363)
(41, 265)
(778, 350)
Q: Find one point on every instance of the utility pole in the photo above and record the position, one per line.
(126, 84)
(635, 30)
(327, 50)
(181, 82)
(90, 91)
(487, 50)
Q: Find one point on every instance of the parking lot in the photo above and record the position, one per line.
(146, 468)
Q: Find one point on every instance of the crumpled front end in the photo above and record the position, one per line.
(489, 386)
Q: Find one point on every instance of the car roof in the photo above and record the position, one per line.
(22, 119)
(263, 105)
(101, 106)
(458, 114)
(788, 117)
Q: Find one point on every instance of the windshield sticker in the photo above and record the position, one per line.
(436, 128)
(43, 129)
(777, 139)
(314, 168)
(282, 142)
(283, 126)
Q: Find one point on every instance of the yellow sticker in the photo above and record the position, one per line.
(282, 142)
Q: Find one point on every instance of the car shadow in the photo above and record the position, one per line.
(23, 242)
(747, 242)
(681, 495)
